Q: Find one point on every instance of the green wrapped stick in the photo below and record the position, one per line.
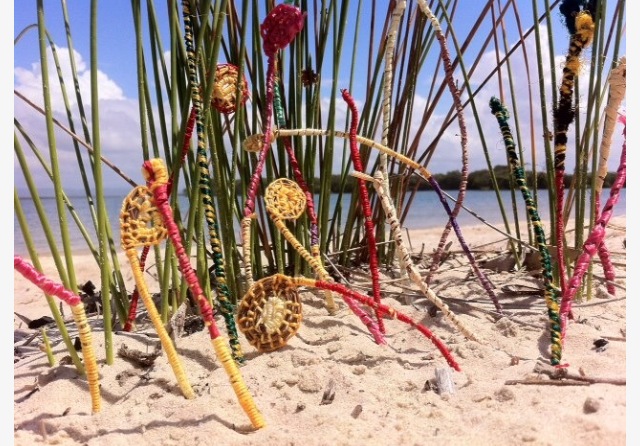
(551, 291)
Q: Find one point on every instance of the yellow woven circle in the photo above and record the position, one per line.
(270, 313)
(224, 89)
(140, 221)
(286, 198)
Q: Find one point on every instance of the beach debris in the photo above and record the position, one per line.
(591, 405)
(300, 407)
(504, 394)
(34, 324)
(560, 376)
(600, 345)
(138, 357)
(329, 393)
(355, 413)
(444, 381)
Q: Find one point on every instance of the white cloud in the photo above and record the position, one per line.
(119, 122)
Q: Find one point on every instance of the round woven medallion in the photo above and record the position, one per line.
(285, 198)
(270, 313)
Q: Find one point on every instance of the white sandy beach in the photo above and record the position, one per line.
(383, 394)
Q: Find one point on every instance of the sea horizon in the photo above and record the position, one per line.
(426, 212)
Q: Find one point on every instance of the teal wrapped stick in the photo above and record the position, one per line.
(227, 309)
(551, 291)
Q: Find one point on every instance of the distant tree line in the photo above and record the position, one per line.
(477, 180)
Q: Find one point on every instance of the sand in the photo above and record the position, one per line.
(382, 394)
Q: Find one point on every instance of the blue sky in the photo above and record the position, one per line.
(118, 90)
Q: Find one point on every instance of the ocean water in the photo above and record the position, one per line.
(425, 212)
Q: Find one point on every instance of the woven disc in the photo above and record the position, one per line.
(286, 198)
(140, 221)
(224, 89)
(254, 143)
(270, 313)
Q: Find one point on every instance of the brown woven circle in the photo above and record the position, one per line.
(254, 143)
(224, 89)
(270, 313)
(286, 198)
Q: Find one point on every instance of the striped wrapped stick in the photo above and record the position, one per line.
(406, 264)
(224, 98)
(285, 200)
(551, 291)
(79, 317)
(279, 282)
(563, 116)
(141, 225)
(457, 102)
(389, 53)
(366, 205)
(155, 173)
(424, 173)
(595, 238)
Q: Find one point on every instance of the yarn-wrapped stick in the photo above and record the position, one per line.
(551, 291)
(457, 102)
(133, 305)
(278, 30)
(426, 175)
(52, 288)
(155, 173)
(617, 89)
(595, 238)
(581, 26)
(224, 99)
(406, 264)
(366, 205)
(285, 200)
(141, 225)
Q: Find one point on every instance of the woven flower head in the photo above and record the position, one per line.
(254, 143)
(280, 27)
(285, 198)
(270, 313)
(225, 87)
(140, 222)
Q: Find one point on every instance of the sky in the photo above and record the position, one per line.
(118, 89)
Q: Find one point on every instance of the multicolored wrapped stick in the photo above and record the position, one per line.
(551, 291)
(580, 24)
(133, 305)
(455, 94)
(225, 100)
(141, 225)
(617, 89)
(486, 284)
(155, 173)
(595, 238)
(366, 205)
(79, 317)
(278, 30)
